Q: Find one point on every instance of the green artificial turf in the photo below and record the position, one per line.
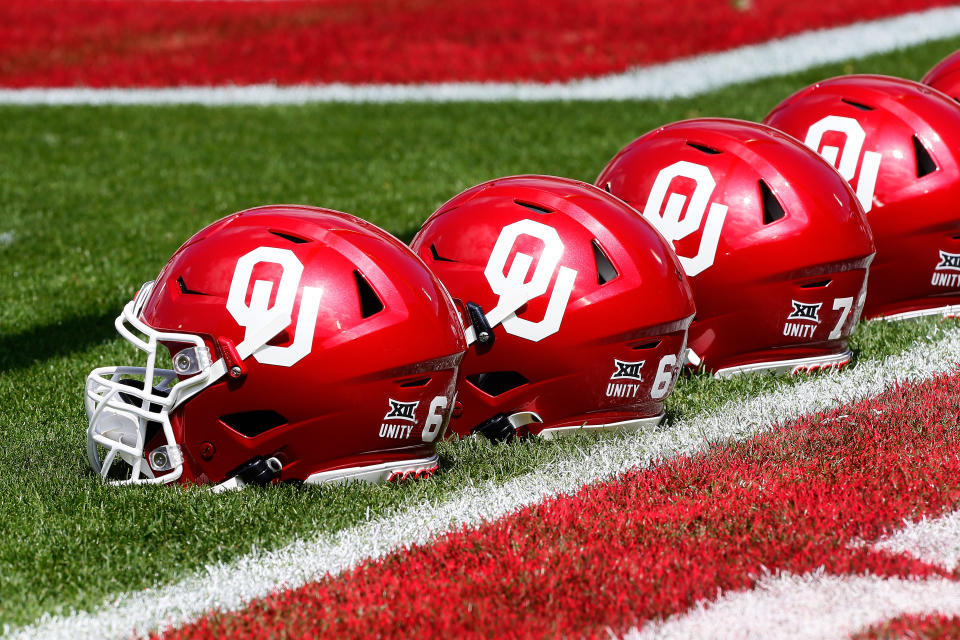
(93, 200)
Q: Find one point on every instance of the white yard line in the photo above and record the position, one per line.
(686, 77)
(231, 585)
(820, 606)
(814, 606)
(935, 541)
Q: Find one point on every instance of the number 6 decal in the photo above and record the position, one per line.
(433, 427)
(515, 290)
(666, 374)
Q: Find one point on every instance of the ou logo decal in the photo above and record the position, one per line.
(847, 166)
(666, 219)
(515, 290)
(263, 322)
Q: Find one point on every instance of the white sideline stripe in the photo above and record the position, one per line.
(685, 77)
(230, 585)
(935, 541)
(811, 606)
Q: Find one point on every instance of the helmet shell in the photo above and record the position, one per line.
(945, 76)
(612, 291)
(769, 234)
(896, 142)
(384, 331)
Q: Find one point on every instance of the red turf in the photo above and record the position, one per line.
(101, 43)
(654, 541)
(926, 627)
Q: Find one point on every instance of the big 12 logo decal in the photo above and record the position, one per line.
(401, 418)
(804, 317)
(666, 218)
(632, 372)
(945, 273)
(863, 182)
(515, 289)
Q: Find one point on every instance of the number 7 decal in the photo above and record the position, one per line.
(844, 304)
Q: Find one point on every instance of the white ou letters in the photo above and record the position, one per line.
(515, 290)
(666, 219)
(850, 158)
(263, 322)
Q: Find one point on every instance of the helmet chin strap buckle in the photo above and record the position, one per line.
(504, 427)
(259, 471)
(479, 323)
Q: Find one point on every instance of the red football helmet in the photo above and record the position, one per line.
(578, 309)
(306, 344)
(772, 238)
(945, 76)
(898, 144)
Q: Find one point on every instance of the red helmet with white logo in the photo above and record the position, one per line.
(305, 344)
(898, 144)
(774, 242)
(945, 76)
(578, 309)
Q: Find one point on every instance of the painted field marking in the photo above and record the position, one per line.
(229, 586)
(813, 606)
(680, 78)
(934, 540)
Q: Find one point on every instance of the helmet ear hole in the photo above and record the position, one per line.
(495, 383)
(253, 423)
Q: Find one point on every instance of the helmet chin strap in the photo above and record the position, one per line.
(480, 329)
(482, 324)
(253, 341)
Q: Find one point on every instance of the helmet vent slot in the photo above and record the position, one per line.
(704, 148)
(646, 345)
(605, 269)
(253, 423)
(417, 382)
(816, 285)
(187, 290)
(534, 207)
(289, 236)
(772, 209)
(437, 257)
(606, 186)
(496, 383)
(370, 302)
(858, 105)
(925, 164)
